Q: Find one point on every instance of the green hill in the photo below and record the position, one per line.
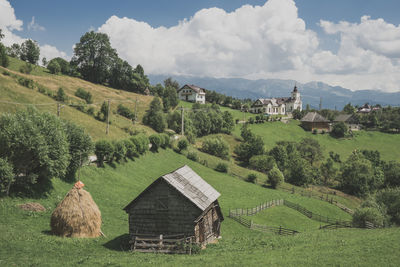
(25, 238)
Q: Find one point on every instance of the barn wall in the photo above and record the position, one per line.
(208, 228)
(162, 210)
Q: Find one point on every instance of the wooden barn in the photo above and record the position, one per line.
(179, 203)
(313, 121)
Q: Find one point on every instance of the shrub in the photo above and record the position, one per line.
(216, 146)
(192, 156)
(368, 214)
(130, 148)
(6, 73)
(165, 140)
(237, 121)
(252, 178)
(119, 150)
(315, 131)
(85, 95)
(339, 129)
(390, 199)
(251, 120)
(54, 67)
(26, 68)
(275, 177)
(183, 144)
(61, 96)
(262, 163)
(104, 151)
(222, 167)
(155, 141)
(6, 176)
(141, 142)
(90, 111)
(28, 83)
(125, 111)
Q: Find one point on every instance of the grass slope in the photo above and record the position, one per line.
(11, 91)
(25, 240)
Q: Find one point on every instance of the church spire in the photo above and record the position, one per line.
(295, 88)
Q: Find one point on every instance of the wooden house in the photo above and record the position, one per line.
(314, 121)
(350, 120)
(179, 203)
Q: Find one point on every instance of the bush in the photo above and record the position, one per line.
(141, 142)
(28, 83)
(192, 156)
(4, 61)
(368, 214)
(126, 112)
(251, 120)
(262, 163)
(216, 146)
(61, 96)
(252, 178)
(315, 131)
(6, 73)
(165, 140)
(119, 150)
(6, 176)
(222, 167)
(104, 151)
(339, 129)
(183, 144)
(130, 148)
(155, 141)
(275, 177)
(90, 111)
(54, 67)
(85, 95)
(390, 199)
(26, 68)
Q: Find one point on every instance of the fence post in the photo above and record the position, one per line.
(280, 229)
(251, 224)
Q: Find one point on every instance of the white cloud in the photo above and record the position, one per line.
(268, 41)
(34, 26)
(9, 23)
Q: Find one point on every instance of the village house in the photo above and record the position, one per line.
(314, 121)
(278, 106)
(350, 120)
(179, 203)
(192, 93)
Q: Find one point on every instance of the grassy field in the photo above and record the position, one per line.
(25, 238)
(11, 91)
(386, 144)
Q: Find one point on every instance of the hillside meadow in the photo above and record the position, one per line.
(26, 240)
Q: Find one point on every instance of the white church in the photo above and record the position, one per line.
(279, 105)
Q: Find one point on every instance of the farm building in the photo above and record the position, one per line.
(179, 203)
(350, 120)
(313, 121)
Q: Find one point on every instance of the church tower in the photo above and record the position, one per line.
(296, 99)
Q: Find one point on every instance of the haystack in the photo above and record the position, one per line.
(77, 215)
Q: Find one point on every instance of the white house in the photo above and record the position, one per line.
(279, 105)
(192, 93)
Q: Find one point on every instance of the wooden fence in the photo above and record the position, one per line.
(160, 244)
(314, 216)
(237, 214)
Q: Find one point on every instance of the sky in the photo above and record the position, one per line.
(349, 43)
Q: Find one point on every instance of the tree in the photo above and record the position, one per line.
(216, 146)
(299, 170)
(80, 146)
(339, 129)
(262, 163)
(14, 50)
(246, 133)
(154, 116)
(170, 98)
(44, 62)
(119, 150)
(4, 61)
(392, 174)
(54, 67)
(61, 96)
(94, 56)
(155, 141)
(169, 82)
(64, 66)
(183, 144)
(86, 95)
(328, 171)
(228, 124)
(349, 109)
(390, 199)
(30, 51)
(252, 147)
(7, 176)
(310, 149)
(104, 151)
(280, 156)
(37, 147)
(359, 177)
(103, 113)
(275, 177)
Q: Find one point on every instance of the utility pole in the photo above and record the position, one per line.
(183, 121)
(108, 117)
(135, 111)
(58, 109)
(320, 103)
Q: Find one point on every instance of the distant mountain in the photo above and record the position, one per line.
(332, 96)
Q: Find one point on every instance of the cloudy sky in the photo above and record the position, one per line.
(350, 43)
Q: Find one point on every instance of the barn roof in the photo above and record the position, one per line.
(189, 184)
(313, 117)
(343, 117)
